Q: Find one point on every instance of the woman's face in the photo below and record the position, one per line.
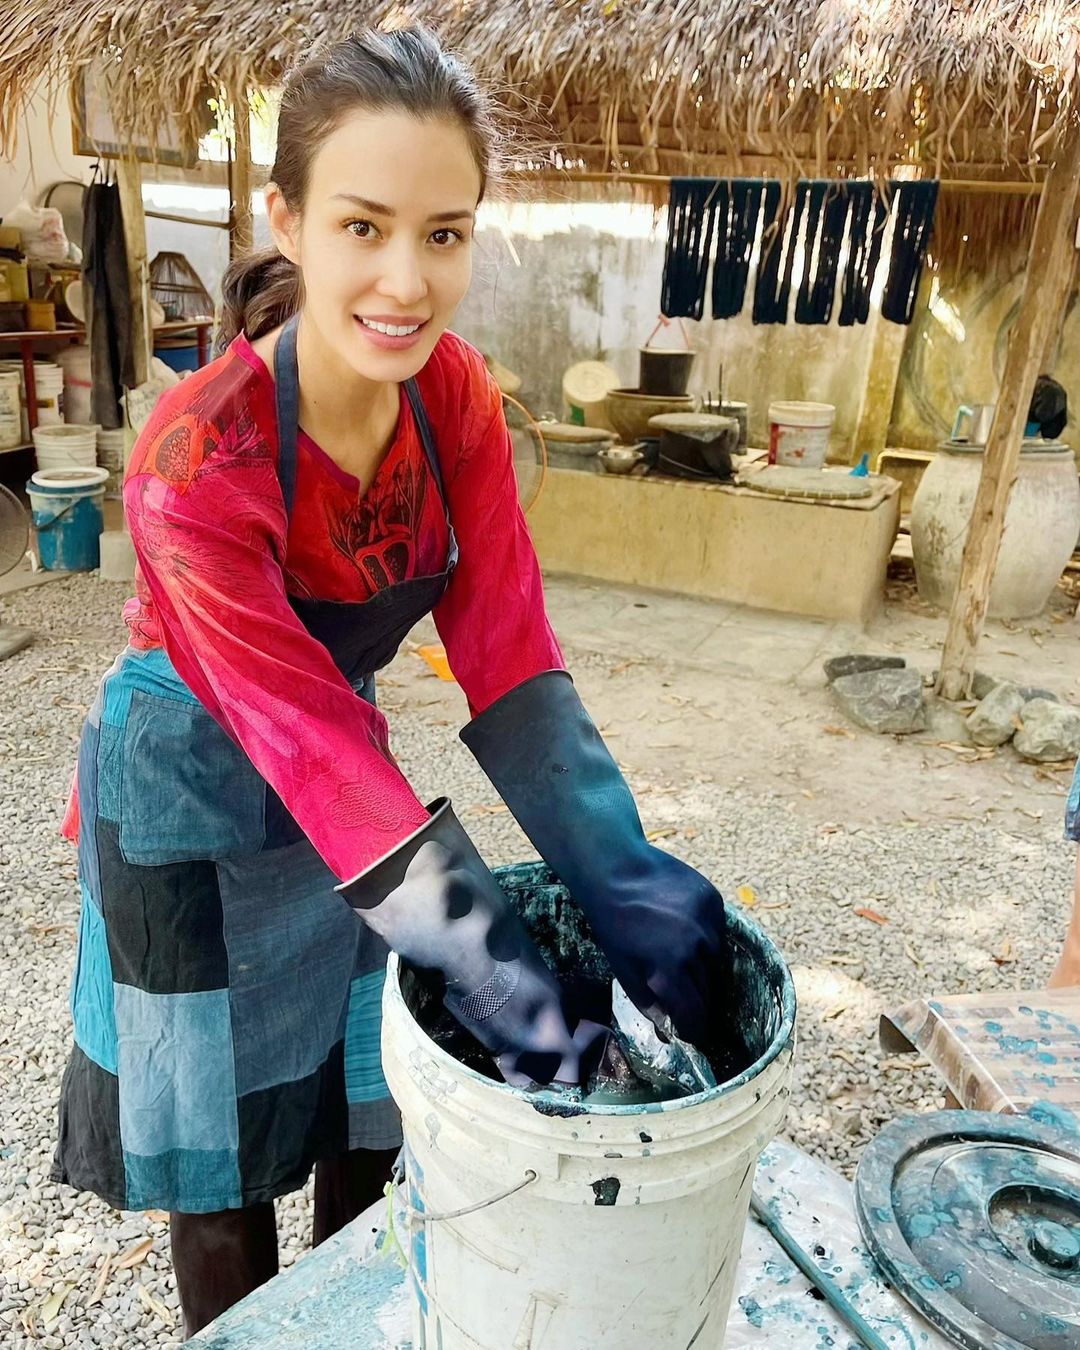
(385, 239)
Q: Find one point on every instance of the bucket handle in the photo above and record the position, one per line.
(662, 322)
(41, 528)
(423, 1216)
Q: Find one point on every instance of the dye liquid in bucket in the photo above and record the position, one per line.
(799, 433)
(539, 1223)
(66, 507)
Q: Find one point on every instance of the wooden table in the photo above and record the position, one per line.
(997, 1051)
(27, 341)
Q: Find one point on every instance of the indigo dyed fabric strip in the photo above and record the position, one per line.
(914, 208)
(827, 215)
(773, 288)
(865, 232)
(738, 208)
(691, 218)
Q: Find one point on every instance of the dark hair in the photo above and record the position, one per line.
(402, 70)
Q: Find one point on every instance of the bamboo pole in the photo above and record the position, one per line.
(1046, 287)
(241, 232)
(959, 185)
(129, 180)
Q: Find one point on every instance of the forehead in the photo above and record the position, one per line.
(417, 166)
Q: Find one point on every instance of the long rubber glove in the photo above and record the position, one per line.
(434, 902)
(659, 922)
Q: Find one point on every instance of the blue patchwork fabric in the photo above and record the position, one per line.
(226, 1007)
(92, 989)
(1072, 808)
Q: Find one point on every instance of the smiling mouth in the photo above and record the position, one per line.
(392, 329)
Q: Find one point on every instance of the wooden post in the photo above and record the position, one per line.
(241, 229)
(1046, 287)
(129, 179)
(879, 392)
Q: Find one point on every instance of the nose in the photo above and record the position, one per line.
(402, 278)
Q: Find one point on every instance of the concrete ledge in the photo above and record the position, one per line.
(718, 541)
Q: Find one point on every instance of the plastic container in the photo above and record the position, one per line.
(16, 367)
(662, 370)
(799, 433)
(179, 358)
(66, 508)
(533, 1222)
(10, 410)
(112, 455)
(66, 446)
(586, 386)
(49, 386)
(78, 384)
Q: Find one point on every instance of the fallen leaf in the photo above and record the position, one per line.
(665, 833)
(493, 810)
(102, 1281)
(870, 914)
(776, 904)
(50, 1309)
(155, 1306)
(838, 731)
(810, 796)
(691, 832)
(746, 896)
(134, 1255)
(912, 955)
(839, 1053)
(837, 959)
(834, 1012)
(157, 1215)
(1004, 955)
(1032, 815)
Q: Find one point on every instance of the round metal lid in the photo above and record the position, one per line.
(975, 1219)
(784, 480)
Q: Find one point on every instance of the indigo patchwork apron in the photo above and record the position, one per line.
(227, 1004)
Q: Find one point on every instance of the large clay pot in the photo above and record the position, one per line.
(1041, 526)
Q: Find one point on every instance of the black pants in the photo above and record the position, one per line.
(221, 1258)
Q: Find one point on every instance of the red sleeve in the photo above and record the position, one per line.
(492, 619)
(208, 523)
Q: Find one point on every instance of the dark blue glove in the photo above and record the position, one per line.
(434, 902)
(660, 923)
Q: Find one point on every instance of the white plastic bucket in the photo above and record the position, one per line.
(111, 455)
(17, 368)
(65, 446)
(66, 508)
(799, 433)
(49, 385)
(78, 385)
(10, 409)
(617, 1228)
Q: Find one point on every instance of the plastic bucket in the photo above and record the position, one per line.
(66, 506)
(663, 371)
(66, 446)
(586, 386)
(10, 409)
(16, 367)
(180, 359)
(532, 1222)
(111, 455)
(799, 433)
(49, 386)
(78, 384)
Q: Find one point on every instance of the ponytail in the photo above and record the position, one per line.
(260, 291)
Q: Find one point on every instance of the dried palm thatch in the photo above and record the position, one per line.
(955, 87)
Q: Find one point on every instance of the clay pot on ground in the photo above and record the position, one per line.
(1041, 526)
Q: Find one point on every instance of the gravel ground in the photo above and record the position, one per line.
(958, 893)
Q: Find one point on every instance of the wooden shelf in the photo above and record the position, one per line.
(44, 334)
(15, 449)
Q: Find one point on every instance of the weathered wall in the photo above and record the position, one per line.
(43, 156)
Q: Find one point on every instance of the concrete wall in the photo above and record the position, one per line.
(44, 154)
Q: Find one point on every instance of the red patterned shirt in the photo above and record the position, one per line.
(217, 562)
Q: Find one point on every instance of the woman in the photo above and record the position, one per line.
(1067, 970)
(343, 469)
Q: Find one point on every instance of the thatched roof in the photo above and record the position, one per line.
(965, 88)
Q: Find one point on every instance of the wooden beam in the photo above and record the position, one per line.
(242, 229)
(1042, 305)
(129, 180)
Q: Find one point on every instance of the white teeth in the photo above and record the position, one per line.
(390, 329)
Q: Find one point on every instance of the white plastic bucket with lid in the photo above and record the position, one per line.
(111, 455)
(799, 433)
(65, 446)
(49, 386)
(78, 384)
(613, 1227)
(10, 409)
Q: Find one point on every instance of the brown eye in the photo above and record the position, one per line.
(446, 238)
(362, 229)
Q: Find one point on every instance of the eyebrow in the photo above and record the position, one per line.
(378, 209)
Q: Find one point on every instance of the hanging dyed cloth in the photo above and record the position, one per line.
(108, 316)
(737, 211)
(773, 288)
(865, 233)
(691, 217)
(827, 213)
(913, 208)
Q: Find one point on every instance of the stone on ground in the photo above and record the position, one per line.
(889, 701)
(1050, 731)
(860, 664)
(944, 722)
(996, 718)
(13, 639)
